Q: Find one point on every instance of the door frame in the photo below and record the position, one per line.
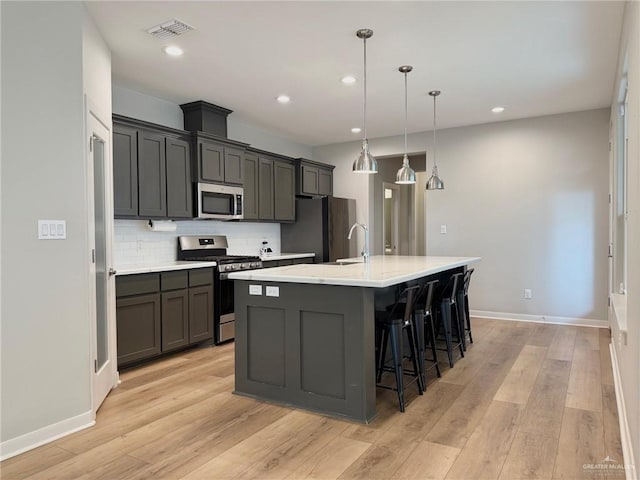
(97, 120)
(395, 227)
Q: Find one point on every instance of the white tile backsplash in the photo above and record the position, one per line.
(136, 244)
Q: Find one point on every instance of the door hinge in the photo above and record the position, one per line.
(93, 255)
(91, 143)
(608, 301)
(609, 199)
(610, 255)
(95, 366)
(609, 145)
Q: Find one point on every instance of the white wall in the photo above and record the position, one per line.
(45, 329)
(628, 356)
(157, 110)
(528, 196)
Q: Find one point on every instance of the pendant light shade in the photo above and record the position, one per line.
(406, 175)
(365, 163)
(435, 182)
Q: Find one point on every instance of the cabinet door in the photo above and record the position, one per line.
(211, 162)
(284, 192)
(233, 166)
(200, 313)
(310, 180)
(175, 320)
(265, 188)
(138, 325)
(125, 171)
(325, 182)
(152, 175)
(250, 200)
(179, 190)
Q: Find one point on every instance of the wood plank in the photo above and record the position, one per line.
(611, 425)
(121, 467)
(581, 442)
(543, 334)
(427, 461)
(32, 462)
(543, 414)
(531, 457)
(561, 347)
(460, 420)
(520, 380)
(488, 447)
(584, 382)
(587, 337)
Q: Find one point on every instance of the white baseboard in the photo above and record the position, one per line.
(625, 434)
(520, 317)
(28, 441)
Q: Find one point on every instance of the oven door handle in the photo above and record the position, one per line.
(224, 276)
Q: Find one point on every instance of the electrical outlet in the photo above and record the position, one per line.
(527, 293)
(443, 229)
(255, 289)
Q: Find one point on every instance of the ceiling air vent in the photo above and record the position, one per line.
(170, 29)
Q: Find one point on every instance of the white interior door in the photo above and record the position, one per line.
(390, 219)
(102, 281)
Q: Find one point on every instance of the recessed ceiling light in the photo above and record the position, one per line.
(348, 80)
(356, 129)
(497, 109)
(173, 51)
(283, 98)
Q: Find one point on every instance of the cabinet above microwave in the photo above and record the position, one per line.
(218, 160)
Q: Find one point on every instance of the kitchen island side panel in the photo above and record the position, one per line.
(311, 347)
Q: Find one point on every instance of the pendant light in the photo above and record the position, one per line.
(365, 163)
(434, 183)
(406, 174)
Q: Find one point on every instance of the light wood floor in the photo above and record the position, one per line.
(528, 401)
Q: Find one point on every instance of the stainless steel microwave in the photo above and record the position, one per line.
(220, 202)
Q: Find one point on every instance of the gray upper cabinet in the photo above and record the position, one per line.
(152, 175)
(250, 201)
(265, 188)
(151, 171)
(284, 192)
(219, 160)
(125, 171)
(179, 186)
(313, 178)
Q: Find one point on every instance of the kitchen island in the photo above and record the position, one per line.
(305, 333)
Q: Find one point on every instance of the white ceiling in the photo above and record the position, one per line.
(534, 58)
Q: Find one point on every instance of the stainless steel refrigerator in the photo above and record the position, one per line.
(321, 227)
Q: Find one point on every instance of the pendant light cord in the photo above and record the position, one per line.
(364, 114)
(405, 113)
(435, 160)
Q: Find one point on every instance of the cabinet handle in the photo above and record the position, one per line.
(112, 271)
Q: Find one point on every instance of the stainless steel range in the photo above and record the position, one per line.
(214, 249)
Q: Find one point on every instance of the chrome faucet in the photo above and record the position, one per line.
(365, 250)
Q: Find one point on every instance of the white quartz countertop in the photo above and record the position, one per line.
(382, 271)
(164, 267)
(285, 256)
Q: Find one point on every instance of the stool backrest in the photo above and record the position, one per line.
(451, 288)
(467, 280)
(408, 297)
(426, 294)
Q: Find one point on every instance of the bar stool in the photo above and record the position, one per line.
(429, 337)
(398, 318)
(463, 306)
(446, 309)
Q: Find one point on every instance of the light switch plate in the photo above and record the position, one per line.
(273, 291)
(255, 289)
(52, 229)
(443, 229)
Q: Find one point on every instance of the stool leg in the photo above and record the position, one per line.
(382, 351)
(455, 311)
(466, 311)
(396, 338)
(445, 313)
(432, 333)
(419, 333)
(411, 333)
(462, 319)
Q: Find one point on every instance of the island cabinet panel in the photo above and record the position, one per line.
(138, 325)
(266, 363)
(125, 171)
(179, 187)
(312, 347)
(152, 175)
(322, 345)
(250, 200)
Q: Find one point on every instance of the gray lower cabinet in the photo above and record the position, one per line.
(152, 175)
(161, 312)
(138, 324)
(179, 187)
